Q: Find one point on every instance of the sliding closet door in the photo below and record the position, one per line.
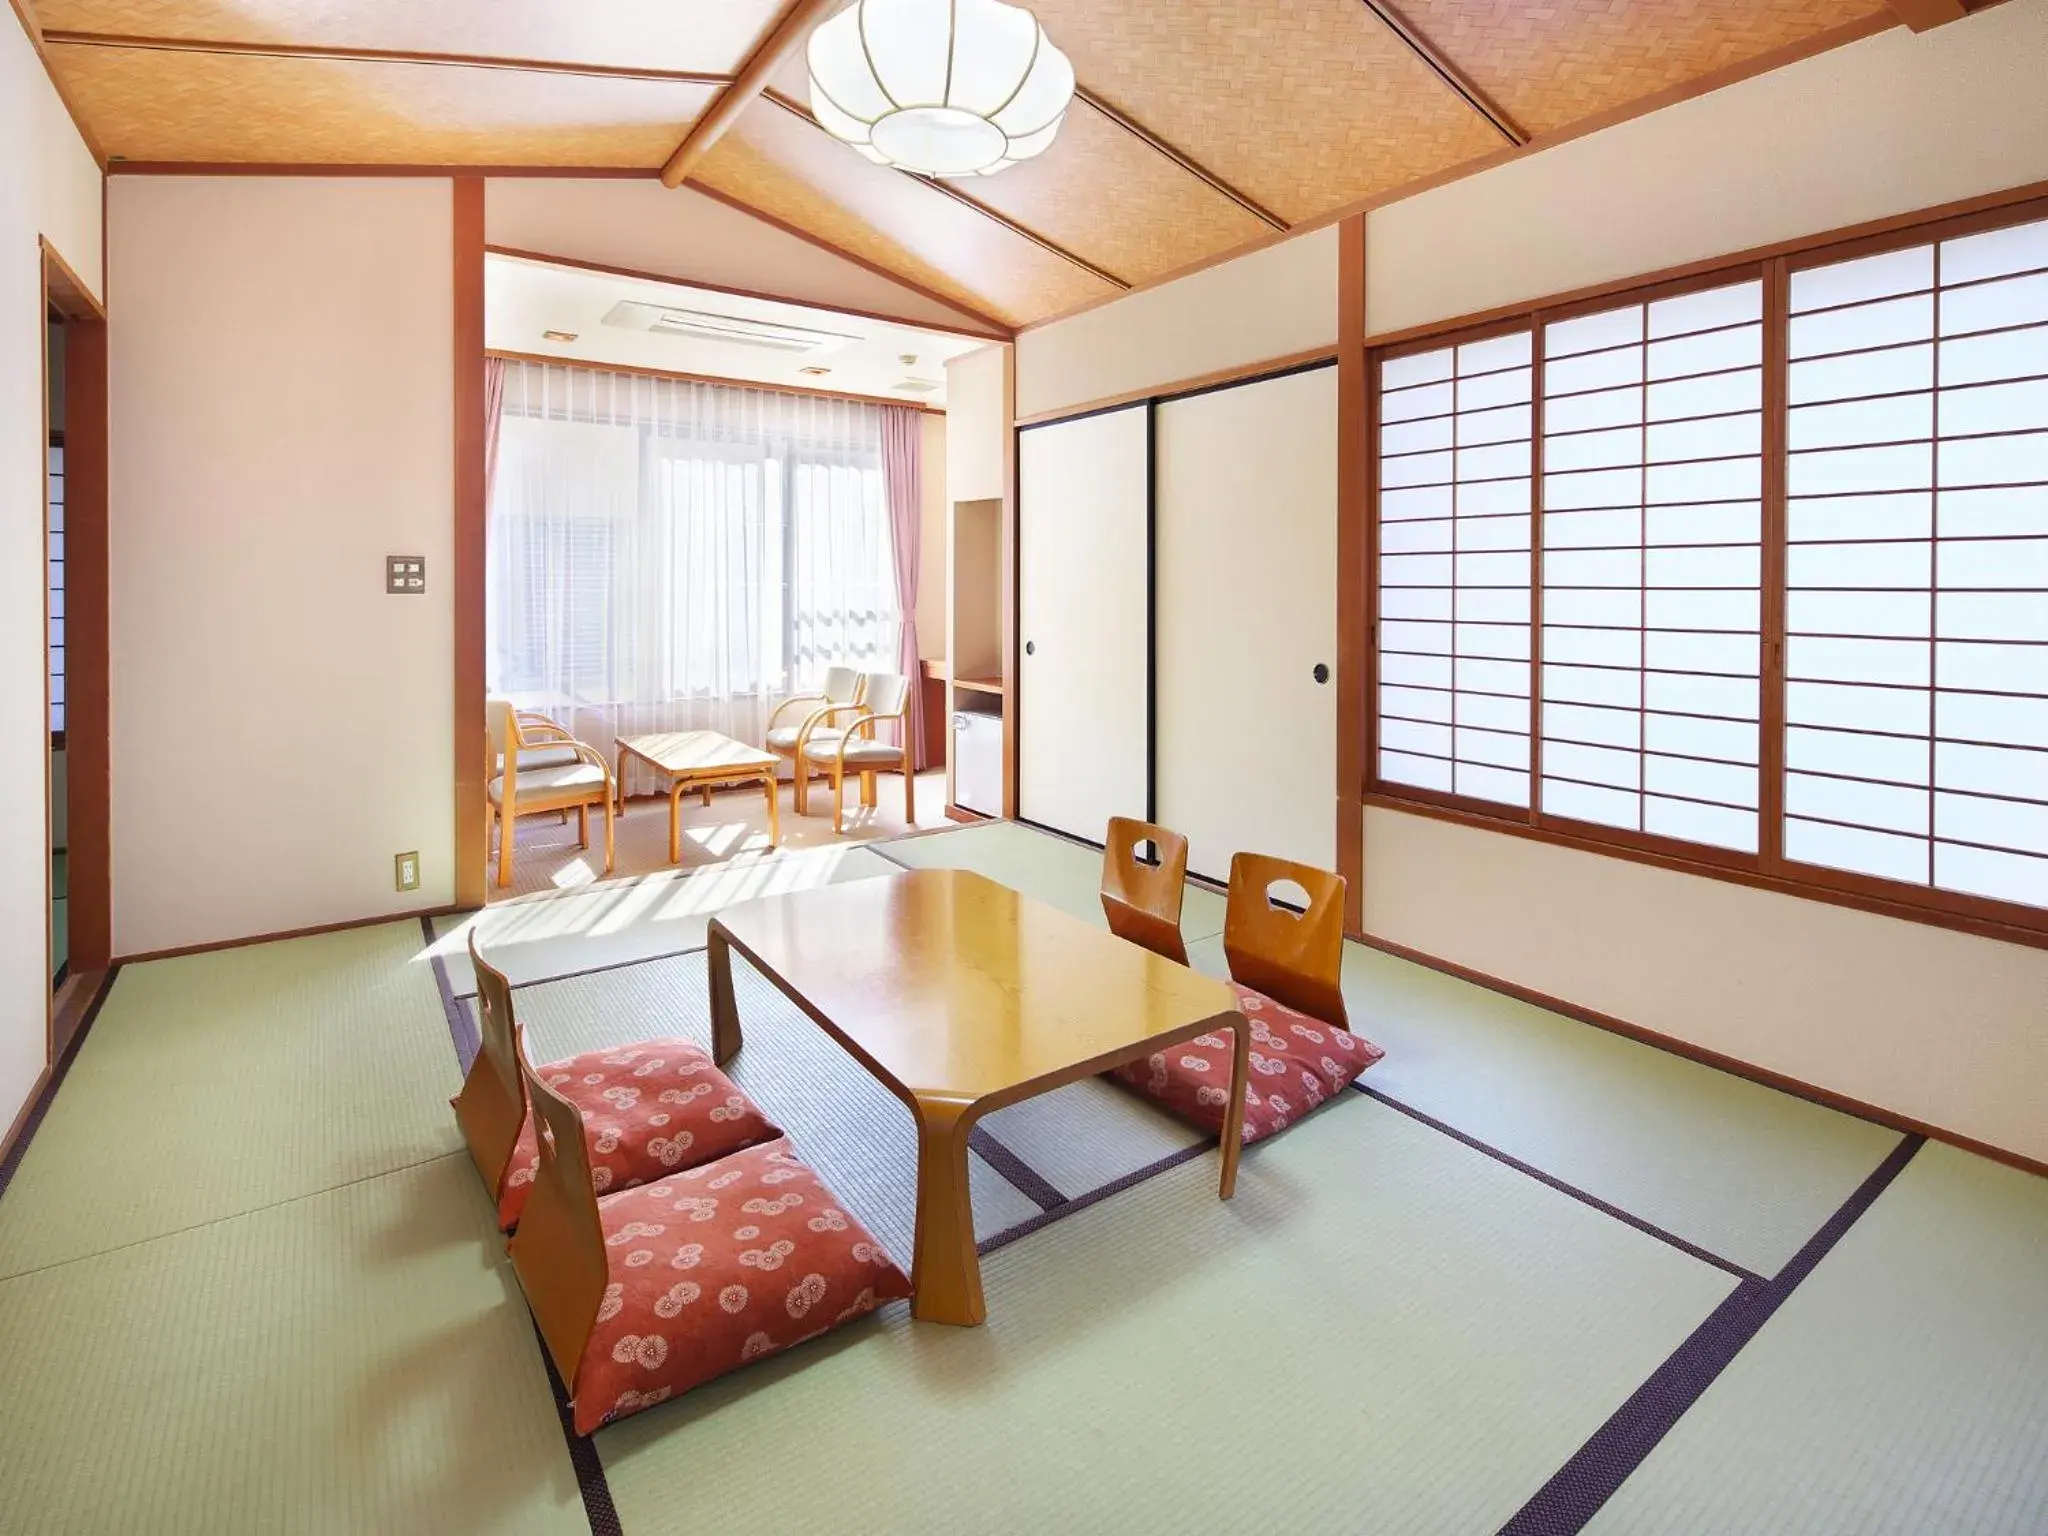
(1246, 559)
(1081, 582)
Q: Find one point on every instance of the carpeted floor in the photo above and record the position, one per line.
(253, 1280)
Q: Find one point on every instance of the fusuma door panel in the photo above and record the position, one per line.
(1245, 551)
(1081, 601)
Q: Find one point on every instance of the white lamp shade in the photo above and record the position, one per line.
(941, 87)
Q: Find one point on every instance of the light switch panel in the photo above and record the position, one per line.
(405, 574)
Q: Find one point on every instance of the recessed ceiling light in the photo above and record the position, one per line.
(557, 335)
(815, 372)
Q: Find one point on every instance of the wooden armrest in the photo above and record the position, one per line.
(818, 717)
(556, 733)
(794, 698)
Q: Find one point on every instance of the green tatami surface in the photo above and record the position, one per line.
(1059, 873)
(1742, 1170)
(356, 1361)
(1383, 1332)
(213, 1084)
(250, 1282)
(1903, 1388)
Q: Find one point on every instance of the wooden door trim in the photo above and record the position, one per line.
(467, 574)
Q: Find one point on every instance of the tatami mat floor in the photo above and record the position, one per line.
(1539, 1279)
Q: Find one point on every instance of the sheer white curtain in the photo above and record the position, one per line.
(667, 555)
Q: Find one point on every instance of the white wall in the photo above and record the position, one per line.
(1272, 303)
(975, 426)
(681, 233)
(1891, 124)
(49, 187)
(280, 398)
(1939, 1026)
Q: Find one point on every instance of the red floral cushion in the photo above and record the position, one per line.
(648, 1109)
(718, 1266)
(1296, 1063)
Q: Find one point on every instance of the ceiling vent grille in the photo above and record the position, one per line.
(733, 330)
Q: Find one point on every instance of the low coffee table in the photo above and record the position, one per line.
(698, 760)
(960, 996)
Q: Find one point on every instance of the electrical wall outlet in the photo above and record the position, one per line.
(405, 575)
(408, 868)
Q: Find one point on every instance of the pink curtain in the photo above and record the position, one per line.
(494, 412)
(903, 480)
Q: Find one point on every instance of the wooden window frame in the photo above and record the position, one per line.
(1768, 868)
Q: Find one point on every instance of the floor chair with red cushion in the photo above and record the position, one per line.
(642, 1295)
(1286, 967)
(649, 1109)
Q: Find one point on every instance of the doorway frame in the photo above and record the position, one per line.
(87, 737)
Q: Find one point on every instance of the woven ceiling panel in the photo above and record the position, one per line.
(713, 36)
(151, 105)
(1104, 195)
(1116, 201)
(1305, 105)
(1547, 66)
(792, 169)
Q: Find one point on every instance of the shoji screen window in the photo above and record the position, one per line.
(1652, 566)
(1454, 541)
(1916, 706)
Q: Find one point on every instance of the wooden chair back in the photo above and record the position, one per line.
(842, 685)
(1295, 958)
(492, 1105)
(886, 696)
(1142, 901)
(558, 1250)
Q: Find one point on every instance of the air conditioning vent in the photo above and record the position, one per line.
(915, 386)
(732, 329)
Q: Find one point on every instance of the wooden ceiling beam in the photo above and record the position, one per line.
(1923, 15)
(1445, 70)
(1186, 162)
(334, 55)
(1024, 231)
(788, 36)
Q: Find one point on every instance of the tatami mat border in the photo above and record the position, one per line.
(1597, 1470)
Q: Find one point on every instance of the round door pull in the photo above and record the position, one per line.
(1030, 647)
(1322, 672)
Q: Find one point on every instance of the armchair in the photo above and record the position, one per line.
(517, 787)
(841, 690)
(884, 696)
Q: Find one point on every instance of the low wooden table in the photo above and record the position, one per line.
(698, 760)
(961, 996)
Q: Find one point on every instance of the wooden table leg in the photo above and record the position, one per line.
(774, 808)
(1233, 1119)
(945, 1270)
(675, 822)
(725, 1012)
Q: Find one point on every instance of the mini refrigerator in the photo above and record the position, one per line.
(978, 762)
